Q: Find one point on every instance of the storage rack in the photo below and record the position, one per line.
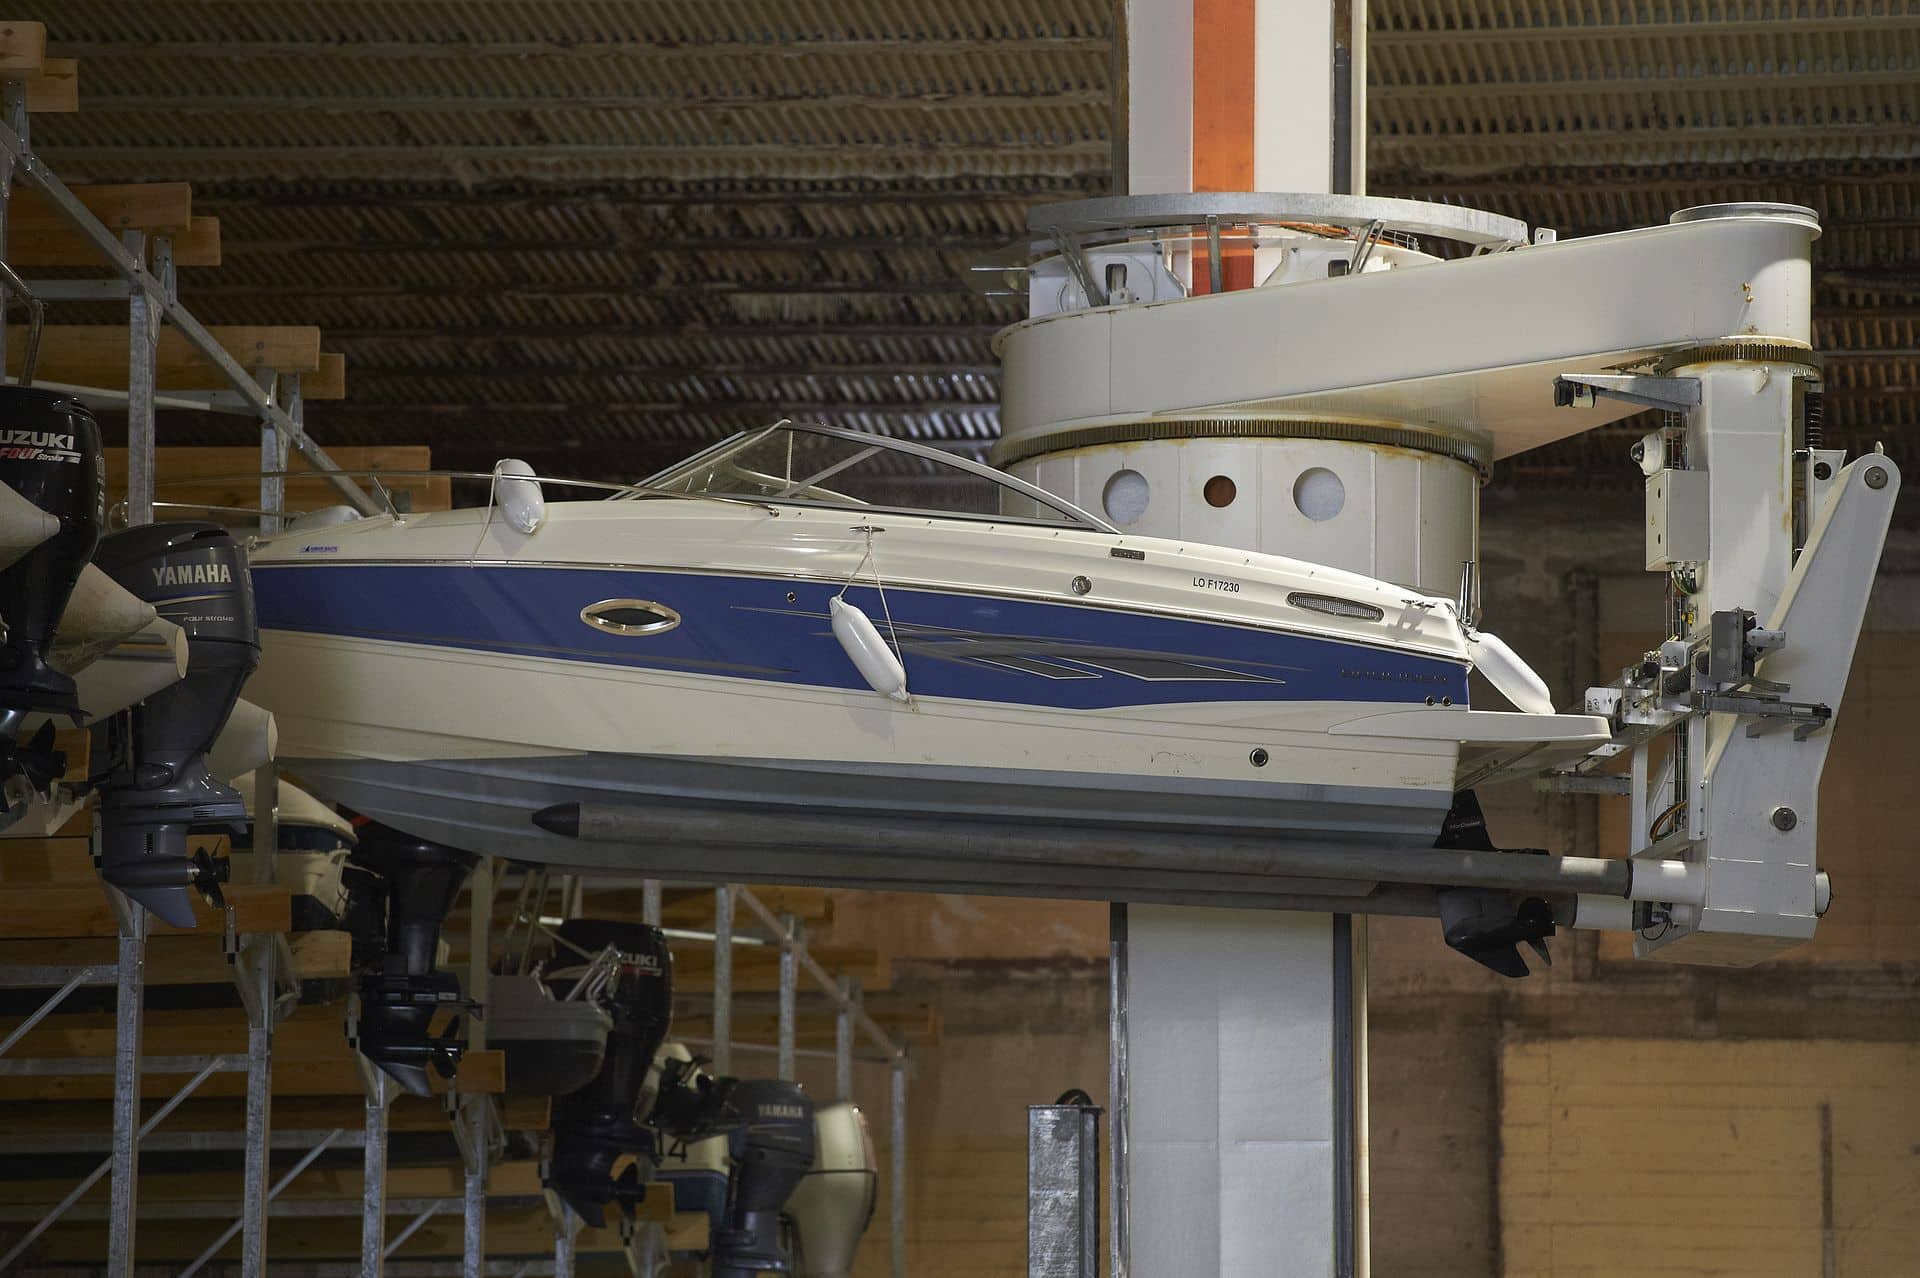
(143, 274)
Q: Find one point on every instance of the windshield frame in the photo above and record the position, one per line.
(1069, 514)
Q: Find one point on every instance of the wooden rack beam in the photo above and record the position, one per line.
(184, 958)
(97, 354)
(414, 1114)
(208, 475)
(23, 47)
(510, 1232)
(55, 88)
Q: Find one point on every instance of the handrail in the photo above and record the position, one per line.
(1069, 230)
(639, 491)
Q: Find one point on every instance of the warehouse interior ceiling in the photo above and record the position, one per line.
(596, 234)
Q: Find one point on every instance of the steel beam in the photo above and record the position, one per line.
(897, 1170)
(723, 979)
(125, 1159)
(258, 964)
(373, 1193)
(790, 941)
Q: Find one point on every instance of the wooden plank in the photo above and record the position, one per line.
(62, 860)
(199, 244)
(321, 956)
(58, 243)
(23, 47)
(519, 1178)
(229, 476)
(482, 1073)
(524, 1231)
(97, 354)
(693, 907)
(290, 1113)
(756, 968)
(183, 958)
(311, 1054)
(158, 208)
(330, 382)
(81, 910)
(55, 88)
(917, 1022)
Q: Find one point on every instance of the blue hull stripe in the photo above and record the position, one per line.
(955, 645)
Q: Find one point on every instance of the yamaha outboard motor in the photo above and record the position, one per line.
(595, 1126)
(53, 496)
(403, 989)
(772, 1151)
(154, 784)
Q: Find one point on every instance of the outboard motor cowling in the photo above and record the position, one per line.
(833, 1206)
(772, 1152)
(155, 784)
(594, 1126)
(53, 495)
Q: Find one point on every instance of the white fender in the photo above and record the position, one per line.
(248, 741)
(521, 500)
(1507, 672)
(23, 526)
(150, 660)
(871, 656)
(325, 517)
(100, 614)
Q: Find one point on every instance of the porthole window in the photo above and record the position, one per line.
(1318, 494)
(1125, 497)
(630, 617)
(1220, 491)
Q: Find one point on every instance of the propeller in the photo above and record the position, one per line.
(208, 875)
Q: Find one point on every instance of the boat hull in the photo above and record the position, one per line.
(454, 697)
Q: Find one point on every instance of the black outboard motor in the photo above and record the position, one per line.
(1488, 926)
(154, 784)
(402, 990)
(595, 1126)
(50, 458)
(771, 1153)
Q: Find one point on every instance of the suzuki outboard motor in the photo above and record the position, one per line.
(53, 496)
(595, 1126)
(403, 991)
(154, 784)
(771, 1152)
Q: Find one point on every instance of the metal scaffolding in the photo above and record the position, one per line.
(146, 280)
(144, 277)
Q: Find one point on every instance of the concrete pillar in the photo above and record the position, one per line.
(1238, 1113)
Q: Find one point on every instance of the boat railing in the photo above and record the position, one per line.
(378, 478)
(1208, 228)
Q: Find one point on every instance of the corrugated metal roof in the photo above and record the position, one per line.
(595, 233)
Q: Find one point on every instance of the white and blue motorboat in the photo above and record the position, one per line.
(766, 628)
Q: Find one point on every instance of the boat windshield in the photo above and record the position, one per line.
(828, 466)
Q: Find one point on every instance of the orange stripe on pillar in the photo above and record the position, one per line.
(1223, 95)
(1223, 121)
